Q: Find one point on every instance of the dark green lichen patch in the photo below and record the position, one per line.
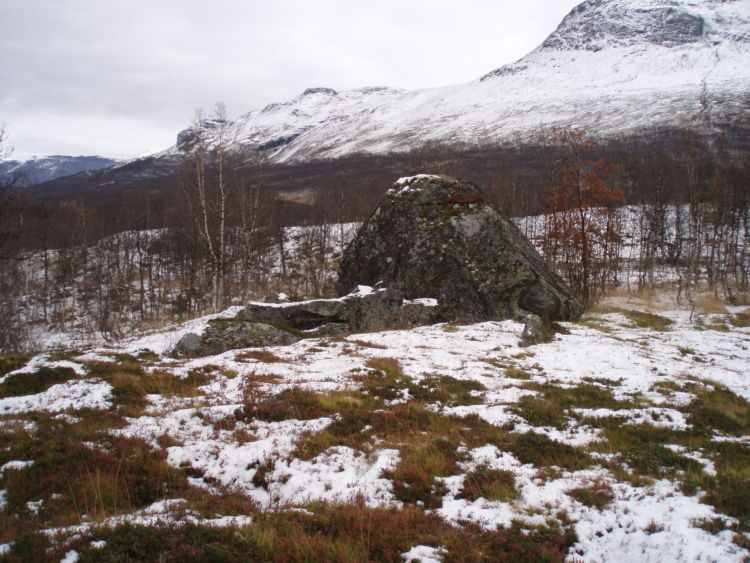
(35, 382)
(12, 362)
(297, 333)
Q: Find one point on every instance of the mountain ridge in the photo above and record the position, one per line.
(610, 66)
(40, 169)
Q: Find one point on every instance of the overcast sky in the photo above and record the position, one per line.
(120, 78)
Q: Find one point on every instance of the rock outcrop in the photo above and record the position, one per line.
(276, 324)
(363, 310)
(221, 335)
(437, 237)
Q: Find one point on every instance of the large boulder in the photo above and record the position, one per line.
(434, 236)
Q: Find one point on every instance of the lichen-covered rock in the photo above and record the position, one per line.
(362, 310)
(533, 331)
(230, 334)
(278, 324)
(434, 236)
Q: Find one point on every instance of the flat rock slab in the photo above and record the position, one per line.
(434, 236)
(230, 334)
(279, 324)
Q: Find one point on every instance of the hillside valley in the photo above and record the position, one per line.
(500, 320)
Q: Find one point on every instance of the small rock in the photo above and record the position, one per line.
(534, 331)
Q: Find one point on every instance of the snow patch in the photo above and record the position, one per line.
(659, 417)
(15, 465)
(424, 554)
(78, 394)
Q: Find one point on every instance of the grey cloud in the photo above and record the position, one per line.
(120, 77)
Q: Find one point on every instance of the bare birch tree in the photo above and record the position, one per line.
(6, 219)
(208, 180)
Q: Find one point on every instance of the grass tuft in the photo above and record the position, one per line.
(538, 411)
(642, 319)
(414, 478)
(740, 320)
(264, 356)
(541, 451)
(488, 483)
(596, 495)
(80, 472)
(717, 408)
(515, 372)
(324, 532)
(297, 403)
(12, 362)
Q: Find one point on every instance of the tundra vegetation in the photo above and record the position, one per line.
(364, 447)
(450, 437)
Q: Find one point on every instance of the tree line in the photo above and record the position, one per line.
(233, 227)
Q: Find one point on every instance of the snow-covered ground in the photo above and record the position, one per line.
(654, 378)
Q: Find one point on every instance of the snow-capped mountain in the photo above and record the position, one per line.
(611, 67)
(45, 168)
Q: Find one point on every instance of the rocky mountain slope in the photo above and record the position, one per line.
(45, 168)
(611, 67)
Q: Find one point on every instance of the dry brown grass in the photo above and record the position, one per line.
(708, 303)
(323, 532)
(597, 494)
(365, 344)
(81, 473)
(264, 356)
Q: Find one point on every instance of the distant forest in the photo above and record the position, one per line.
(145, 194)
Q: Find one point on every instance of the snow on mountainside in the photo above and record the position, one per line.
(612, 66)
(45, 168)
